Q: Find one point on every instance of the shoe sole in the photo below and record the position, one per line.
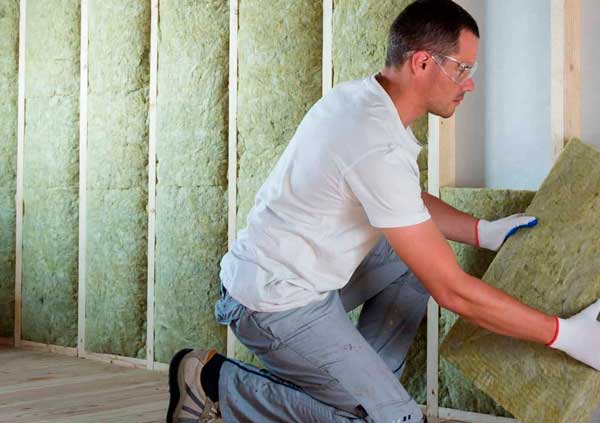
(175, 392)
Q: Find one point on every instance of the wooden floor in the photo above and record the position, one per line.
(44, 387)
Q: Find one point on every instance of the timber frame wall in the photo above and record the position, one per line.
(566, 123)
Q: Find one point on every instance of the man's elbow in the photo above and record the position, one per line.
(453, 302)
(447, 299)
(448, 295)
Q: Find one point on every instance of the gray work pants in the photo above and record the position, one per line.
(319, 366)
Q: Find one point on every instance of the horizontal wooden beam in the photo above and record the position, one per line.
(57, 349)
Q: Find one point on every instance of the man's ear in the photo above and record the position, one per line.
(420, 60)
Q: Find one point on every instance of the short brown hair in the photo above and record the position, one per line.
(428, 25)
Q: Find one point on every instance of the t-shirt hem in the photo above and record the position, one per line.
(401, 223)
(273, 308)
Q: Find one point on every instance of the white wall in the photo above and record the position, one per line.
(503, 128)
(470, 116)
(590, 71)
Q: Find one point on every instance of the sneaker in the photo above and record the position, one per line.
(188, 403)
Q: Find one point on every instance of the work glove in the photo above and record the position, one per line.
(579, 336)
(491, 235)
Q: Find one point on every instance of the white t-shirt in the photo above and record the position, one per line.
(350, 169)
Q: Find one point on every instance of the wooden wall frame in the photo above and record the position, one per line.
(565, 62)
(566, 123)
(232, 141)
(20, 161)
(152, 123)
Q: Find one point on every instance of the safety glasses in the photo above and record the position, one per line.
(460, 72)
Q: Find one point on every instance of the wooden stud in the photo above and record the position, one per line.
(327, 46)
(83, 127)
(19, 193)
(565, 71)
(433, 317)
(447, 145)
(572, 69)
(232, 141)
(442, 172)
(433, 311)
(441, 160)
(433, 155)
(152, 182)
(557, 76)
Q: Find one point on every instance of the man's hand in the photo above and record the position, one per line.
(491, 235)
(579, 336)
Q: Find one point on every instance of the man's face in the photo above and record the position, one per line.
(445, 94)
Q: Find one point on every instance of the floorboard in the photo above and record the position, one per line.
(44, 387)
(38, 387)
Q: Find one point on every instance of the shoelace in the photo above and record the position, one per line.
(211, 413)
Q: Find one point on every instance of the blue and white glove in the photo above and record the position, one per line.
(579, 336)
(491, 235)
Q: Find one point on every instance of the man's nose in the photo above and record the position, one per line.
(468, 85)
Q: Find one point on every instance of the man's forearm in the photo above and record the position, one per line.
(454, 224)
(498, 312)
(432, 261)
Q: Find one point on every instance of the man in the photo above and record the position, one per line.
(341, 221)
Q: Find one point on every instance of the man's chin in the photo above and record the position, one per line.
(445, 114)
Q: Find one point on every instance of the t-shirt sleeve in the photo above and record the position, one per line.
(386, 183)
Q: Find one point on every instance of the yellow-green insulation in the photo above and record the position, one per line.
(51, 173)
(191, 211)
(9, 40)
(117, 181)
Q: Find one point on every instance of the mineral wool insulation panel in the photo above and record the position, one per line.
(455, 391)
(191, 211)
(9, 34)
(51, 173)
(279, 80)
(360, 34)
(116, 250)
(554, 268)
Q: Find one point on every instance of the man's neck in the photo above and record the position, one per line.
(406, 101)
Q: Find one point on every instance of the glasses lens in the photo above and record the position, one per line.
(465, 72)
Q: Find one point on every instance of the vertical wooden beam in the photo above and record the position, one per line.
(83, 127)
(433, 155)
(19, 193)
(572, 69)
(441, 160)
(442, 172)
(433, 334)
(154, 10)
(232, 140)
(565, 62)
(433, 310)
(557, 76)
(327, 45)
(447, 152)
